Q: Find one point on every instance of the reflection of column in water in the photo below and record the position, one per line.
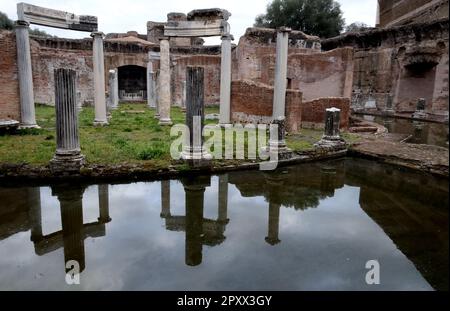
(165, 198)
(103, 200)
(274, 221)
(34, 199)
(194, 194)
(223, 198)
(71, 205)
(327, 180)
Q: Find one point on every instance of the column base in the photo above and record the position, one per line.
(67, 162)
(279, 148)
(199, 158)
(28, 126)
(389, 112)
(419, 114)
(165, 121)
(104, 221)
(272, 241)
(100, 123)
(157, 116)
(331, 142)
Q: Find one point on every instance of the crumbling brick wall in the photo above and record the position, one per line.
(211, 65)
(313, 112)
(252, 102)
(381, 64)
(9, 83)
(316, 75)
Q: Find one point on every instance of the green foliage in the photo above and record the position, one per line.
(40, 33)
(5, 22)
(356, 27)
(321, 18)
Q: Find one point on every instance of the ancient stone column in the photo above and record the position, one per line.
(279, 92)
(157, 90)
(150, 83)
(225, 80)
(164, 83)
(113, 90)
(183, 96)
(274, 222)
(34, 197)
(103, 202)
(331, 137)
(27, 110)
(99, 80)
(68, 155)
(389, 104)
(194, 196)
(223, 198)
(71, 205)
(165, 198)
(195, 115)
(277, 138)
(420, 109)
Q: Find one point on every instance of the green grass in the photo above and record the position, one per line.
(129, 138)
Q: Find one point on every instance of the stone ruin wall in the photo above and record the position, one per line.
(9, 83)
(381, 67)
(402, 12)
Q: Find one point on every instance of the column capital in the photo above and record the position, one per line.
(284, 29)
(164, 39)
(21, 23)
(97, 34)
(227, 37)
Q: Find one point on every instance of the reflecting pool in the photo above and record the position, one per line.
(305, 227)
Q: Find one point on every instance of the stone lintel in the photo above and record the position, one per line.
(54, 18)
(196, 28)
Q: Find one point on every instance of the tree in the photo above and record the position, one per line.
(356, 27)
(321, 18)
(5, 22)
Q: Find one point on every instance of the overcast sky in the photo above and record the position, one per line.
(121, 16)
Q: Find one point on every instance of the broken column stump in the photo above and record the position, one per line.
(331, 137)
(68, 155)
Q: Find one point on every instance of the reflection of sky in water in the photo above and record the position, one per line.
(323, 248)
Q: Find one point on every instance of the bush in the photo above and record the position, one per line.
(152, 152)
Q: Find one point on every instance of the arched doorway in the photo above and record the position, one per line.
(132, 83)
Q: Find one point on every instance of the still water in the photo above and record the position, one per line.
(420, 132)
(304, 227)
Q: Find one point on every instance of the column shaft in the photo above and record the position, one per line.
(99, 80)
(164, 84)
(165, 198)
(279, 96)
(103, 203)
(225, 80)
(27, 109)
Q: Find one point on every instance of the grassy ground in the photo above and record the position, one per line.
(133, 136)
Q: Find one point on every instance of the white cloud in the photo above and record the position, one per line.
(120, 16)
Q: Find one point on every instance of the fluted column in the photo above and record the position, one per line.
(225, 80)
(68, 153)
(195, 115)
(99, 80)
(194, 195)
(103, 202)
(279, 92)
(331, 137)
(71, 205)
(165, 198)
(164, 83)
(25, 75)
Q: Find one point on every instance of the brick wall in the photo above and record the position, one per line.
(313, 112)
(253, 102)
(9, 84)
(328, 74)
(211, 65)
